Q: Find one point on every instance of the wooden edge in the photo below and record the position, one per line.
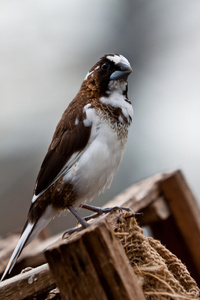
(27, 284)
(141, 194)
(136, 197)
(185, 210)
(93, 264)
(155, 212)
(32, 255)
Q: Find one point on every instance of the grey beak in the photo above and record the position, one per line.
(122, 71)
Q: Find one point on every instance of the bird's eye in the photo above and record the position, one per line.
(105, 66)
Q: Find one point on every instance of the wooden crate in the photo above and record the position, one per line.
(95, 260)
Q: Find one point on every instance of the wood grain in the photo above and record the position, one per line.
(27, 284)
(185, 211)
(93, 265)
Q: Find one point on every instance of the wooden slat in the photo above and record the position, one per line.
(32, 255)
(185, 211)
(93, 265)
(171, 187)
(27, 284)
(139, 195)
(136, 197)
(158, 211)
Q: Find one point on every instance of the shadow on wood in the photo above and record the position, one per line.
(93, 265)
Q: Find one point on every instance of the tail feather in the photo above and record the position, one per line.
(18, 249)
(31, 230)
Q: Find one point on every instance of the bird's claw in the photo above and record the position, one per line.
(70, 231)
(99, 211)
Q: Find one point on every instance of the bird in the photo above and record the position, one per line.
(86, 149)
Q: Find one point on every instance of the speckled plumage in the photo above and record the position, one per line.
(86, 149)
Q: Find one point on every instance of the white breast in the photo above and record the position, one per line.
(98, 163)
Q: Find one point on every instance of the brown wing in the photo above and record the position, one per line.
(67, 140)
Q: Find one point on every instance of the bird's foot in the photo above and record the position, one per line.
(99, 211)
(82, 222)
(72, 230)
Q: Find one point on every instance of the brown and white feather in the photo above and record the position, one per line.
(86, 148)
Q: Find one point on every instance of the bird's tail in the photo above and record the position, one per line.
(31, 230)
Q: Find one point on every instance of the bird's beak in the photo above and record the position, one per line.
(123, 71)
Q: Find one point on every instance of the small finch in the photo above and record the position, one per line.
(86, 149)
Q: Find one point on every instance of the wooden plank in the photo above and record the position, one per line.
(32, 255)
(8, 244)
(185, 211)
(27, 284)
(92, 265)
(139, 195)
(156, 212)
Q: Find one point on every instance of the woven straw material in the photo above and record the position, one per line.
(160, 273)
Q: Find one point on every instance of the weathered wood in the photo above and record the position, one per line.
(8, 244)
(185, 211)
(92, 265)
(139, 195)
(181, 228)
(32, 255)
(27, 284)
(155, 212)
(6, 247)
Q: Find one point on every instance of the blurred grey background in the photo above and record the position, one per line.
(47, 47)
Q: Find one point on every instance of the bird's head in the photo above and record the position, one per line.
(108, 74)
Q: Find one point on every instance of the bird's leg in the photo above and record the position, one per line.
(79, 218)
(99, 211)
(81, 221)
